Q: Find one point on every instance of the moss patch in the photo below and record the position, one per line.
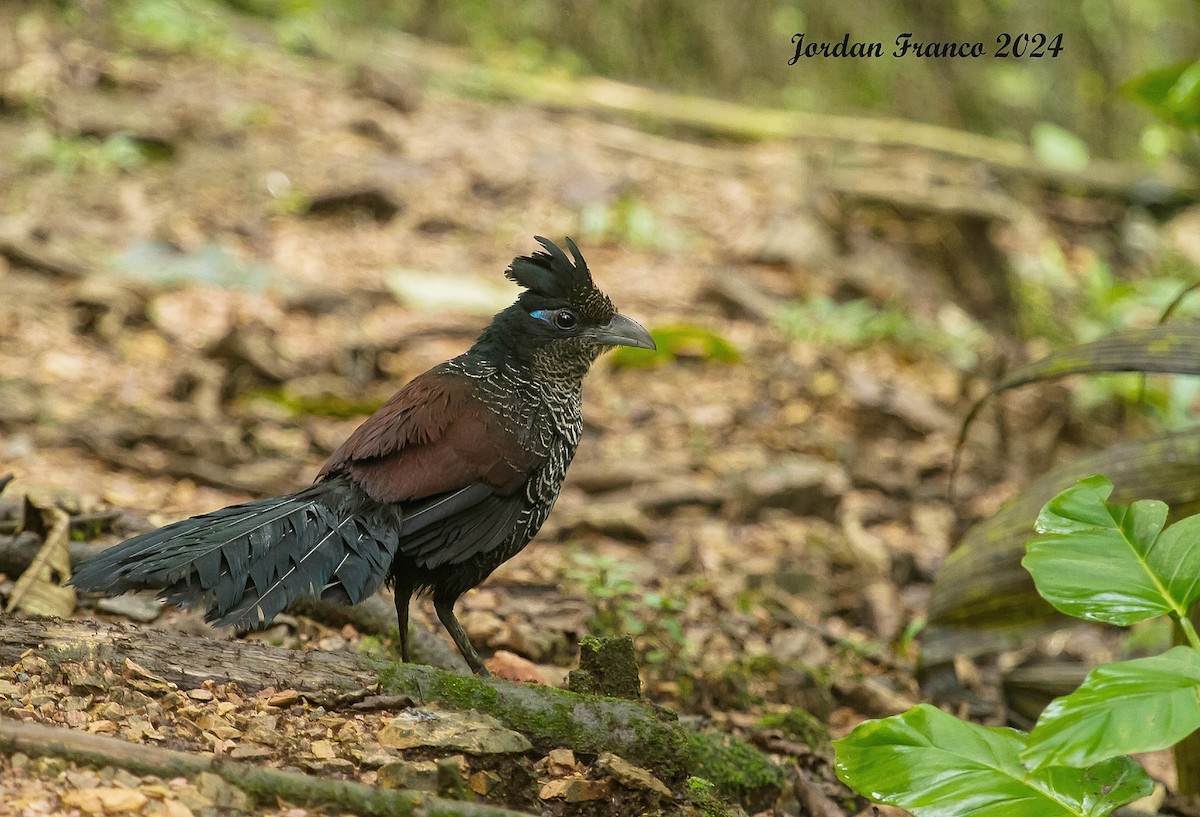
(738, 771)
(607, 666)
(800, 726)
(702, 799)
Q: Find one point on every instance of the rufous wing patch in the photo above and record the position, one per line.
(431, 437)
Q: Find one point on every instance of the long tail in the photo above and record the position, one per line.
(246, 563)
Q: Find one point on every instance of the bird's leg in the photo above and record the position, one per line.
(445, 613)
(403, 593)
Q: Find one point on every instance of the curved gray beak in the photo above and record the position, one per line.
(623, 331)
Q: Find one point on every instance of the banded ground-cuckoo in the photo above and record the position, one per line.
(448, 479)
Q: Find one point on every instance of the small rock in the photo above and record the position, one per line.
(1183, 233)
(139, 608)
(632, 776)
(800, 645)
(865, 550)
(602, 476)
(331, 643)
(322, 749)
(806, 486)
(176, 808)
(484, 782)
(471, 732)
(192, 799)
(395, 91)
(200, 694)
(333, 766)
(916, 409)
(508, 666)
(621, 519)
(574, 790)
(873, 698)
(884, 610)
(106, 800)
(560, 762)
(264, 729)
(9, 689)
(663, 497)
(224, 796)
(82, 678)
(421, 775)
(796, 240)
(249, 750)
(369, 759)
(283, 698)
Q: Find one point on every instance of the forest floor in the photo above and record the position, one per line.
(218, 256)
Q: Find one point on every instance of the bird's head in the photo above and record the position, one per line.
(561, 319)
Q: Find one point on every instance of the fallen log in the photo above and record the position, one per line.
(641, 733)
(186, 661)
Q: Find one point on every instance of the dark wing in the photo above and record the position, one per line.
(437, 450)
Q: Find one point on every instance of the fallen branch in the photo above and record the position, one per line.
(23, 251)
(732, 120)
(262, 782)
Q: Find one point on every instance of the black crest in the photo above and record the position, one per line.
(551, 274)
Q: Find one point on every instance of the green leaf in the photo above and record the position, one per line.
(1102, 561)
(682, 340)
(1055, 146)
(1132, 706)
(1172, 92)
(935, 765)
(982, 586)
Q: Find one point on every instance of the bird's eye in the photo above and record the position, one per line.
(565, 319)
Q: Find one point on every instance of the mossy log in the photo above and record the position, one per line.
(639, 732)
(263, 783)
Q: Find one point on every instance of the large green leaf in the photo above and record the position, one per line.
(1172, 92)
(1103, 561)
(935, 765)
(983, 600)
(1133, 706)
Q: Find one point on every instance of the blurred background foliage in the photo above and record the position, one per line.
(1113, 52)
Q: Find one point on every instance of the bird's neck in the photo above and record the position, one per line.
(563, 365)
(544, 376)
(545, 393)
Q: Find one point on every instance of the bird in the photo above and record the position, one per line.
(447, 480)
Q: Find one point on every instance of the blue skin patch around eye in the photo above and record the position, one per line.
(541, 315)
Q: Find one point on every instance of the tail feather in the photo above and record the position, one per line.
(175, 550)
(301, 570)
(246, 563)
